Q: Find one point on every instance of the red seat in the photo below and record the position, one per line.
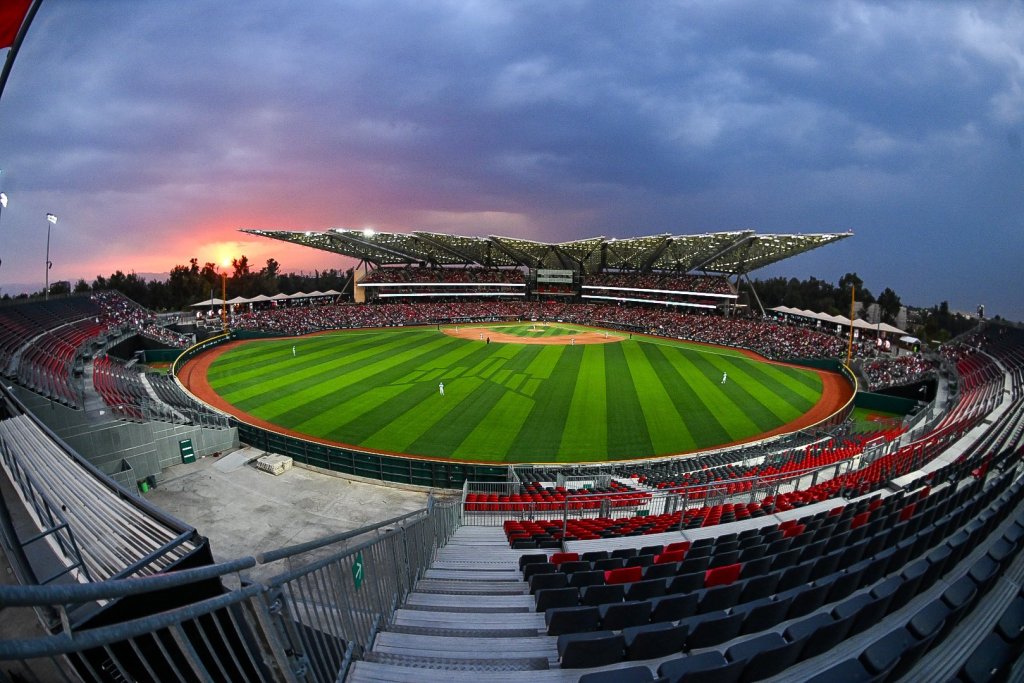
(722, 576)
(559, 558)
(860, 520)
(623, 575)
(907, 512)
(674, 556)
(678, 545)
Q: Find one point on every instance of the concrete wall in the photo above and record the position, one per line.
(148, 447)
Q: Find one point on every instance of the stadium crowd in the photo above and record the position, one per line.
(444, 275)
(770, 339)
(896, 371)
(120, 312)
(676, 283)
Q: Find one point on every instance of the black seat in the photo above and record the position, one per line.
(893, 654)
(594, 555)
(959, 597)
(585, 650)
(555, 580)
(764, 613)
(660, 571)
(929, 620)
(984, 573)
(718, 598)
(574, 566)
(844, 584)
(531, 558)
(652, 550)
(633, 674)
(694, 564)
(847, 671)
(806, 600)
(561, 620)
(753, 552)
(759, 586)
(557, 597)
(816, 634)
(643, 590)
(673, 607)
(824, 565)
(722, 559)
(624, 552)
(538, 568)
(711, 629)
(654, 640)
(757, 567)
(619, 615)
(706, 667)
(763, 656)
(610, 563)
(601, 595)
(990, 661)
(787, 558)
(594, 577)
(1011, 623)
(686, 583)
(795, 576)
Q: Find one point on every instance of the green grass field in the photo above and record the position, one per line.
(511, 402)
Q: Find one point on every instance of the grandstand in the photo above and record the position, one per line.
(828, 554)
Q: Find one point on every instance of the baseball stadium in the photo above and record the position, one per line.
(492, 458)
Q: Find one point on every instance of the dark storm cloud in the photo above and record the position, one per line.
(153, 121)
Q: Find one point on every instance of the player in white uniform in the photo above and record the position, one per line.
(440, 387)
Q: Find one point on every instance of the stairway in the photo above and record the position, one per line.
(471, 616)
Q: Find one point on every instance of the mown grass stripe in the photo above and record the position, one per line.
(788, 398)
(290, 375)
(626, 428)
(258, 366)
(492, 437)
(453, 352)
(560, 364)
(701, 422)
(667, 430)
(588, 410)
(748, 402)
(313, 388)
(445, 436)
(424, 411)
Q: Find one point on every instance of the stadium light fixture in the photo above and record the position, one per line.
(3, 200)
(368, 232)
(51, 220)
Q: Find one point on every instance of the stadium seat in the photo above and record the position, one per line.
(649, 641)
(721, 575)
(617, 616)
(624, 575)
(560, 620)
(633, 674)
(706, 667)
(586, 650)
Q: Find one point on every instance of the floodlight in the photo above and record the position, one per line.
(3, 201)
(368, 232)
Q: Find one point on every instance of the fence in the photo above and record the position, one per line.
(483, 512)
(305, 624)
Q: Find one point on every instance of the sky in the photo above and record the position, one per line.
(155, 130)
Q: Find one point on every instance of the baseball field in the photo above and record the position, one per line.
(511, 392)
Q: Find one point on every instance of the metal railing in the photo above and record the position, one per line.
(305, 624)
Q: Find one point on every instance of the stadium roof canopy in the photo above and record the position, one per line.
(731, 253)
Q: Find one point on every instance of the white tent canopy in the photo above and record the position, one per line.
(209, 302)
(839, 320)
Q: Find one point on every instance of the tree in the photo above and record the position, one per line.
(81, 286)
(889, 303)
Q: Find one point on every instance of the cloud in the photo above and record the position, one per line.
(156, 129)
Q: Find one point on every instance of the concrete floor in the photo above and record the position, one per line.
(244, 511)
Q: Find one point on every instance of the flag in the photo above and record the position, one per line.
(12, 15)
(50, 217)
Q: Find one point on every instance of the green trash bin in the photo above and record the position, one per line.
(143, 486)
